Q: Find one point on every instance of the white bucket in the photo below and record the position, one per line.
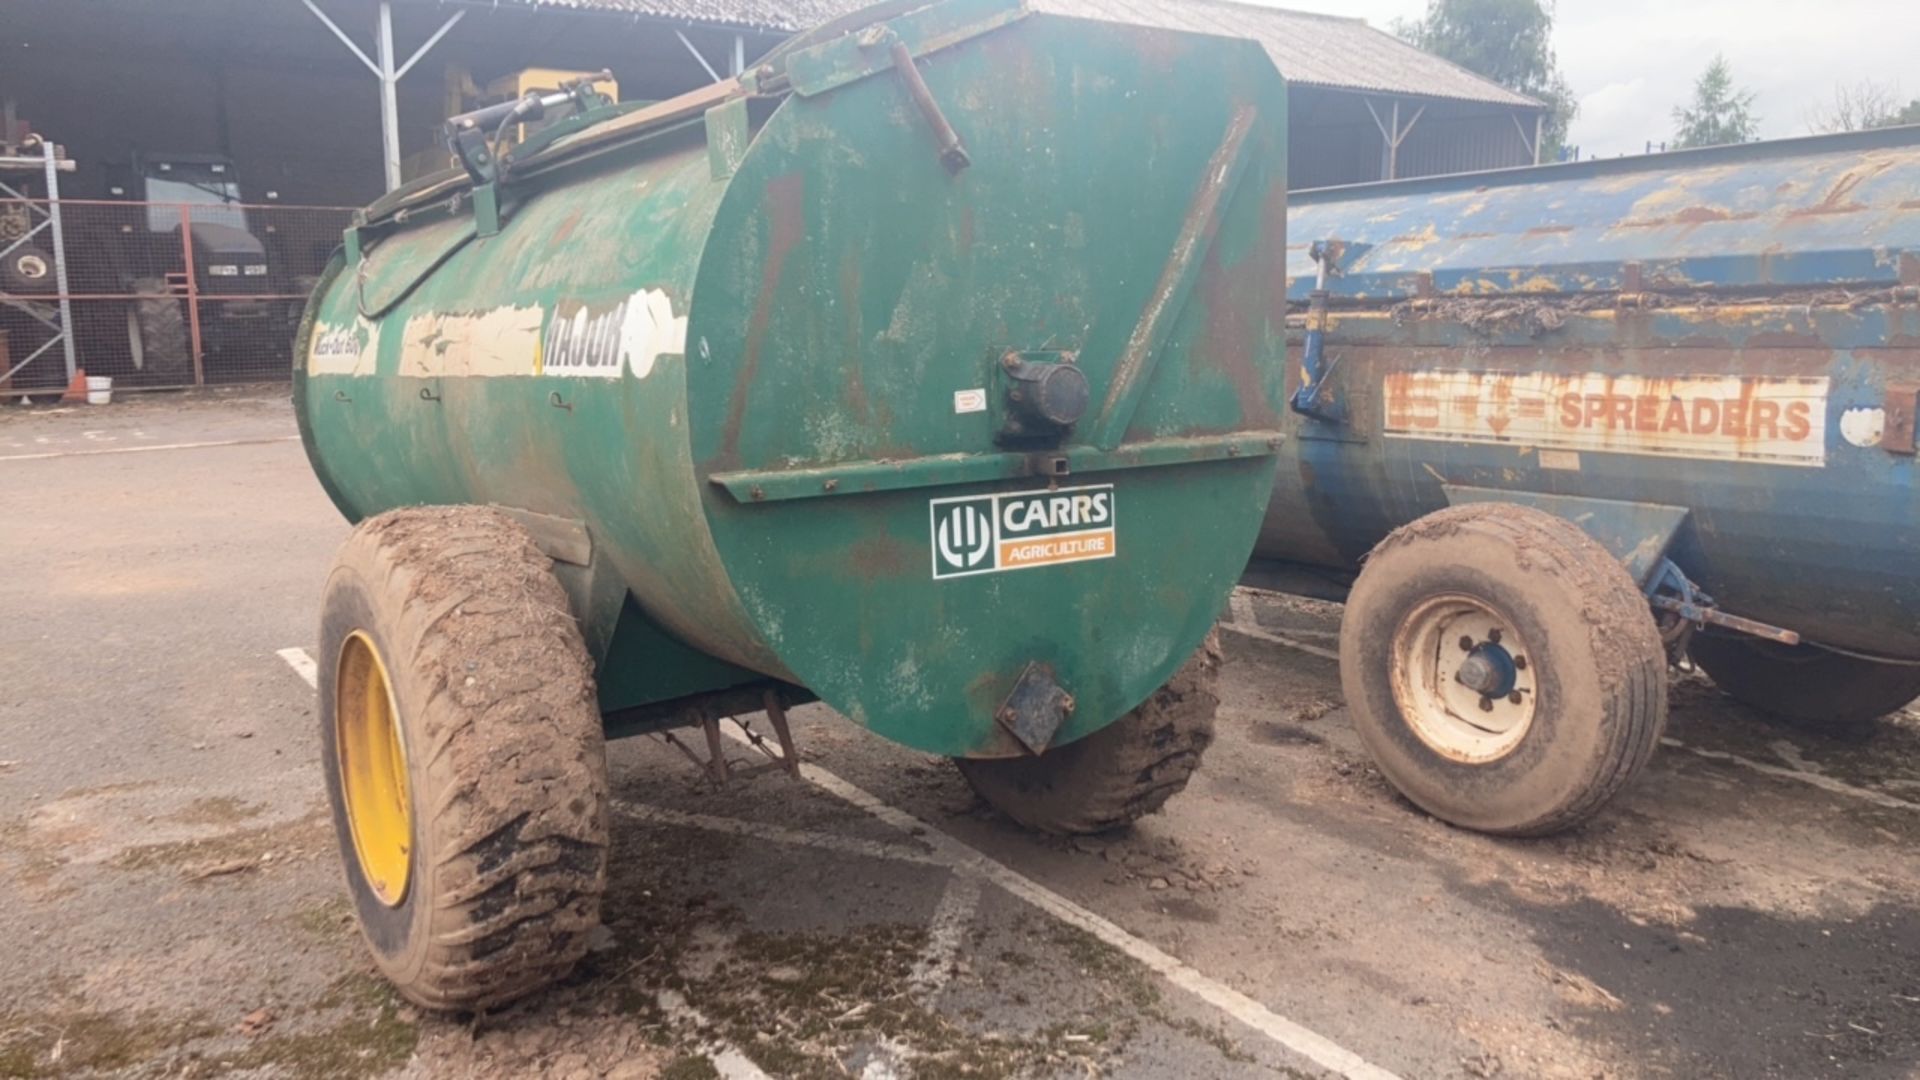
(99, 389)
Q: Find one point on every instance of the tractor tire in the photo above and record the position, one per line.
(1806, 686)
(27, 269)
(157, 333)
(1117, 775)
(464, 758)
(1503, 669)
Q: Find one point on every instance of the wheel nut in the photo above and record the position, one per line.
(1520, 663)
(1466, 643)
(1515, 697)
(1494, 635)
(1486, 704)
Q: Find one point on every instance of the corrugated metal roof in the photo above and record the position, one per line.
(780, 16)
(1319, 50)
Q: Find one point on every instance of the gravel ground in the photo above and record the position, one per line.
(171, 901)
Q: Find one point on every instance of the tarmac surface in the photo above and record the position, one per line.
(171, 903)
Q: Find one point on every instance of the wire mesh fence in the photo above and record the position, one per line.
(157, 294)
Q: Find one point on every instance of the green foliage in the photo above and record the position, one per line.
(1719, 114)
(1507, 41)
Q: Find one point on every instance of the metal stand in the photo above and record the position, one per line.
(715, 764)
(59, 317)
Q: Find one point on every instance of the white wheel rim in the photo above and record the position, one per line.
(1462, 720)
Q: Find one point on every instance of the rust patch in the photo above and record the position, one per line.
(1692, 215)
(1824, 209)
(879, 558)
(1839, 198)
(1700, 215)
(786, 225)
(1782, 339)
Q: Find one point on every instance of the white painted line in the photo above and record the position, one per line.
(1240, 609)
(1246, 630)
(846, 845)
(946, 932)
(1311, 1045)
(149, 449)
(302, 665)
(1824, 783)
(727, 1059)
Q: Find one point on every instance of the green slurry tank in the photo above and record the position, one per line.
(931, 369)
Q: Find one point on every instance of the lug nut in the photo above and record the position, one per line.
(1466, 643)
(1486, 704)
(1515, 697)
(1520, 663)
(1494, 635)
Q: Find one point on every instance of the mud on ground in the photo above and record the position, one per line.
(171, 902)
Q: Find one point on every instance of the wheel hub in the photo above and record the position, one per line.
(373, 770)
(1488, 670)
(1461, 679)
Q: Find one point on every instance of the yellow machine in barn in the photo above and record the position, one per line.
(463, 95)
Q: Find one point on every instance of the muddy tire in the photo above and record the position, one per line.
(157, 333)
(464, 757)
(1503, 669)
(1117, 775)
(1803, 685)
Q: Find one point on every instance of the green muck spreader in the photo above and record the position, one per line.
(930, 369)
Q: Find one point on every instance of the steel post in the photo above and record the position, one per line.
(59, 257)
(193, 295)
(712, 74)
(389, 97)
(388, 75)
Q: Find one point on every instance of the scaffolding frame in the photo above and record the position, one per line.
(57, 318)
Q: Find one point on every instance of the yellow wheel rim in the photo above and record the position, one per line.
(373, 769)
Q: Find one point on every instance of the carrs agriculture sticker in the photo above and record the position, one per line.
(1780, 420)
(980, 534)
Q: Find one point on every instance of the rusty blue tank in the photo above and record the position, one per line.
(1708, 361)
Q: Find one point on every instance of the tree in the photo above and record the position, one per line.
(1719, 114)
(1862, 105)
(1508, 41)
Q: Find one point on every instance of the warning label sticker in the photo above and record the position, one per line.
(1781, 420)
(982, 534)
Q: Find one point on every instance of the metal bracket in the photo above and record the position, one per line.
(953, 154)
(1671, 590)
(1035, 708)
(813, 69)
(1168, 299)
(715, 764)
(1315, 397)
(1638, 534)
(943, 470)
(1903, 402)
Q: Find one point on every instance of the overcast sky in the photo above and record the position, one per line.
(1631, 61)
